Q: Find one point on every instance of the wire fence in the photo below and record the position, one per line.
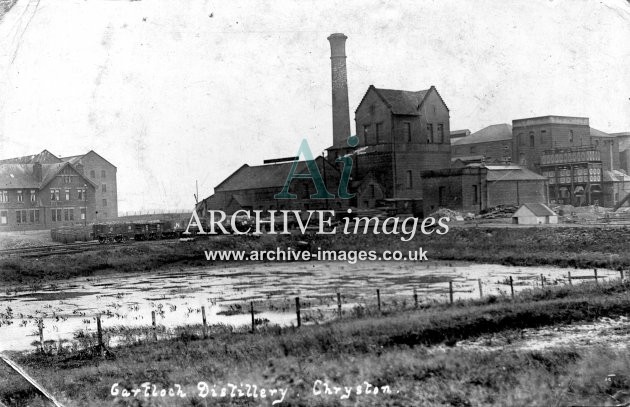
(306, 310)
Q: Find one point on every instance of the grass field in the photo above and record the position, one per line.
(564, 247)
(413, 353)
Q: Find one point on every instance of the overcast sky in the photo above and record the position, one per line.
(176, 91)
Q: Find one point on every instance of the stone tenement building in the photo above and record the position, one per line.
(43, 191)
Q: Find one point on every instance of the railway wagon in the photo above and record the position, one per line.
(113, 232)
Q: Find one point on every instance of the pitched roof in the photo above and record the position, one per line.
(538, 209)
(598, 133)
(512, 173)
(402, 102)
(615, 176)
(45, 157)
(23, 175)
(261, 176)
(494, 132)
(77, 158)
(72, 160)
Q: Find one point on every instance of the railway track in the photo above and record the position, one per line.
(40, 251)
(69, 248)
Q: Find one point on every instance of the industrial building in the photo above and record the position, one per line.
(583, 165)
(43, 191)
(407, 158)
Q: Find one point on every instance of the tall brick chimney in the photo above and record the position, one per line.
(340, 106)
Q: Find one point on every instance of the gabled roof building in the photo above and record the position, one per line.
(42, 191)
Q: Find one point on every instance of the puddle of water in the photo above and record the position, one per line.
(177, 297)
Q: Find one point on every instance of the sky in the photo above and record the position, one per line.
(184, 91)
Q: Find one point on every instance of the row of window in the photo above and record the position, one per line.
(435, 134)
(4, 196)
(55, 194)
(25, 216)
(564, 176)
(530, 138)
(523, 138)
(65, 214)
(93, 174)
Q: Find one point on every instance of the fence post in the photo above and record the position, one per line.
(297, 311)
(415, 298)
(99, 335)
(40, 326)
(378, 299)
(569, 275)
(251, 309)
(480, 288)
(542, 280)
(154, 325)
(339, 305)
(512, 286)
(205, 326)
(450, 291)
(595, 272)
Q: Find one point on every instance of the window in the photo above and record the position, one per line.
(570, 136)
(473, 149)
(92, 174)
(531, 139)
(71, 212)
(36, 215)
(475, 193)
(407, 131)
(543, 136)
(379, 132)
(429, 133)
(4, 196)
(366, 130)
(3, 217)
(33, 195)
(67, 179)
(521, 139)
(31, 216)
(103, 174)
(409, 179)
(66, 215)
(20, 196)
(81, 194)
(104, 188)
(105, 200)
(20, 216)
(67, 194)
(440, 129)
(83, 212)
(54, 194)
(55, 215)
(372, 109)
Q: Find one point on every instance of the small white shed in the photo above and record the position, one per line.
(534, 214)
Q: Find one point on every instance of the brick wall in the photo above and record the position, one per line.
(101, 172)
(516, 192)
(493, 150)
(529, 142)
